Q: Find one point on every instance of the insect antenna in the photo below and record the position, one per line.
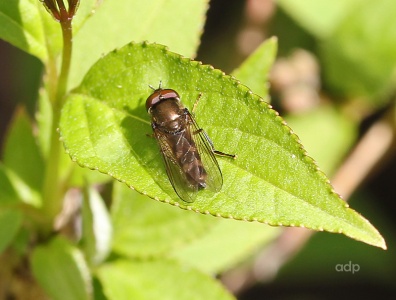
(159, 86)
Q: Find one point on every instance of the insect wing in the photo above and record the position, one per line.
(176, 177)
(205, 149)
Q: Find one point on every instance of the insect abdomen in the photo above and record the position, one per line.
(189, 160)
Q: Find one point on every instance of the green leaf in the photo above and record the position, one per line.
(86, 10)
(27, 25)
(344, 26)
(10, 221)
(165, 22)
(320, 18)
(144, 228)
(367, 71)
(20, 25)
(61, 270)
(326, 134)
(225, 245)
(97, 228)
(21, 244)
(8, 194)
(163, 279)
(255, 69)
(44, 122)
(80, 177)
(23, 159)
(327, 251)
(104, 126)
(75, 176)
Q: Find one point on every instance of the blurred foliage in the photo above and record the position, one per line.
(356, 44)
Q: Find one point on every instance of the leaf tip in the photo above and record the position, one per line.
(378, 242)
(273, 39)
(383, 245)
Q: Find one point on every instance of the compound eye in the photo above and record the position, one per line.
(153, 99)
(168, 94)
(159, 95)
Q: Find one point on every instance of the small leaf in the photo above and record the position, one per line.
(44, 122)
(141, 280)
(75, 176)
(23, 159)
(255, 69)
(97, 228)
(343, 26)
(144, 228)
(8, 194)
(366, 72)
(225, 245)
(20, 25)
(10, 221)
(320, 18)
(164, 22)
(61, 270)
(27, 25)
(104, 126)
(21, 153)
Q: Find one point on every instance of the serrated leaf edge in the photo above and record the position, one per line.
(308, 160)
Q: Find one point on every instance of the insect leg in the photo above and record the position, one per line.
(196, 102)
(219, 153)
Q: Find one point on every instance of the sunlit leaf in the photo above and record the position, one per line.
(255, 70)
(141, 280)
(225, 245)
(23, 159)
(21, 26)
(344, 26)
(318, 17)
(363, 71)
(175, 23)
(27, 25)
(74, 175)
(44, 122)
(61, 270)
(145, 228)
(8, 194)
(104, 126)
(97, 229)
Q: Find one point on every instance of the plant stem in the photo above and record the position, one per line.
(53, 188)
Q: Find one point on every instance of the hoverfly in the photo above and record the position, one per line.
(187, 151)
